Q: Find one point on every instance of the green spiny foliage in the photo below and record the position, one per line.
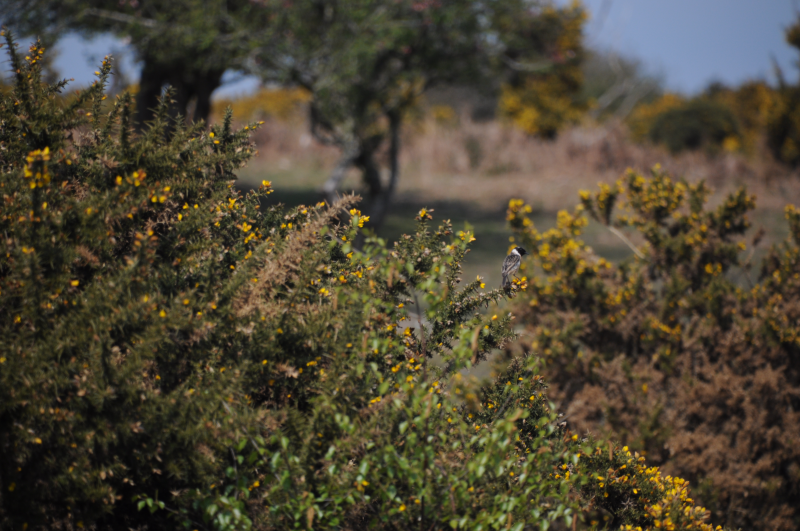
(173, 352)
(114, 259)
(169, 344)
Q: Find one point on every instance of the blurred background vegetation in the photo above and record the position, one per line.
(457, 106)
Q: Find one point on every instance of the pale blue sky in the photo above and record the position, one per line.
(688, 42)
(693, 42)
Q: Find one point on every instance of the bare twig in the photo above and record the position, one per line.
(540, 66)
(619, 234)
(121, 17)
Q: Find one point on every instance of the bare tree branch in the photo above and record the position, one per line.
(121, 17)
(331, 186)
(619, 234)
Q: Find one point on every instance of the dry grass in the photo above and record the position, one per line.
(489, 162)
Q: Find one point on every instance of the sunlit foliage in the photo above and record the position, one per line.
(676, 351)
(173, 353)
(542, 97)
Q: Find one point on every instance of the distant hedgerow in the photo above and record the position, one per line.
(173, 353)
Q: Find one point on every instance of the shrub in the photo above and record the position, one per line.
(751, 103)
(674, 351)
(543, 98)
(642, 117)
(698, 124)
(730, 119)
(174, 353)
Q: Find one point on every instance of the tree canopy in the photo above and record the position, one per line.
(185, 44)
(367, 62)
(364, 62)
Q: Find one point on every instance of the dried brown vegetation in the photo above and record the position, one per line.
(666, 352)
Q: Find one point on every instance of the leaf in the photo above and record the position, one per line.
(310, 517)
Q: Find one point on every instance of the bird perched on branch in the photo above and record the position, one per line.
(511, 264)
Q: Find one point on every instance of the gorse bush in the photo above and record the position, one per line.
(698, 124)
(722, 118)
(641, 118)
(279, 103)
(543, 98)
(751, 103)
(176, 354)
(675, 351)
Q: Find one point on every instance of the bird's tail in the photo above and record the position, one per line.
(505, 283)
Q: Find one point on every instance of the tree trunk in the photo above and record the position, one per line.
(361, 154)
(151, 83)
(380, 206)
(191, 87)
(331, 187)
(204, 86)
(370, 172)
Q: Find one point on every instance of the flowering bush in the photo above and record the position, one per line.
(676, 351)
(176, 353)
(641, 119)
(280, 103)
(729, 119)
(543, 97)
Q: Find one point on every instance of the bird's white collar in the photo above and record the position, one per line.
(514, 251)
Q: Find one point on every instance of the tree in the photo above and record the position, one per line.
(367, 62)
(542, 95)
(184, 44)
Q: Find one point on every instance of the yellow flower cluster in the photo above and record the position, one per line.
(466, 236)
(35, 53)
(280, 103)
(673, 509)
(358, 218)
(36, 168)
(657, 197)
(557, 249)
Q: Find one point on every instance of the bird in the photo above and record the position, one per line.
(511, 264)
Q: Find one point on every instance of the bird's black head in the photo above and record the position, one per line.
(521, 251)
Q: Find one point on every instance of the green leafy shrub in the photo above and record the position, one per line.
(752, 103)
(697, 124)
(722, 118)
(175, 353)
(674, 351)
